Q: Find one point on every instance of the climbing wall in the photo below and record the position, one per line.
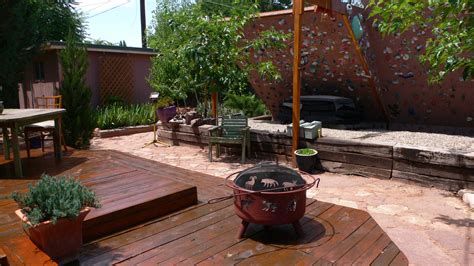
(331, 66)
(329, 63)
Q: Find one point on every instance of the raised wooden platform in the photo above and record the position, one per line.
(133, 197)
(129, 196)
(206, 233)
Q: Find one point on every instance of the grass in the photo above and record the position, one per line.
(118, 115)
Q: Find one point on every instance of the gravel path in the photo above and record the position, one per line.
(380, 136)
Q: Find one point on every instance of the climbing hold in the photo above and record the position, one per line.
(357, 27)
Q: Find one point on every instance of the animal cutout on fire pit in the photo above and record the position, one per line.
(269, 183)
(292, 205)
(245, 203)
(289, 185)
(269, 206)
(251, 182)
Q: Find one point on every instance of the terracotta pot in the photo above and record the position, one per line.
(166, 114)
(60, 240)
(306, 163)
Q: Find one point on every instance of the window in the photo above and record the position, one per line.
(39, 71)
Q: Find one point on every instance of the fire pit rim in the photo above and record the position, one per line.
(294, 189)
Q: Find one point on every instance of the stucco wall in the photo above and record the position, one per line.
(330, 66)
(140, 68)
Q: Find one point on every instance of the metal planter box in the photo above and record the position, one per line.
(308, 130)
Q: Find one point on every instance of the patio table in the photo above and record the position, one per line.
(15, 118)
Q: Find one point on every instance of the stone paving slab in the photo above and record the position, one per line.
(431, 226)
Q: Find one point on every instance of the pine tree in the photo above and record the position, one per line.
(79, 120)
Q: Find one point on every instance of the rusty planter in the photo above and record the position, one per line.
(61, 240)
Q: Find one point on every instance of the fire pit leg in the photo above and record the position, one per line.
(243, 227)
(298, 229)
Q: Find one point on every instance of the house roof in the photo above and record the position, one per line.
(57, 45)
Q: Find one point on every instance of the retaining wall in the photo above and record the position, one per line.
(451, 170)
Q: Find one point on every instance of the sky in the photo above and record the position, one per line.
(115, 20)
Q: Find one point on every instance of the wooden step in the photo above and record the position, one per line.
(133, 198)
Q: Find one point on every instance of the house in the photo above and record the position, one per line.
(114, 71)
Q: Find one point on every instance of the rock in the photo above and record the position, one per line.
(464, 191)
(209, 121)
(196, 122)
(189, 116)
(96, 133)
(469, 199)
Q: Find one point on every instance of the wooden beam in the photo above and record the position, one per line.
(297, 15)
(214, 104)
(365, 65)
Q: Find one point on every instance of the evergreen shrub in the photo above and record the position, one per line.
(79, 120)
(53, 198)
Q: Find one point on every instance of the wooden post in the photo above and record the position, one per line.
(143, 22)
(297, 14)
(365, 65)
(214, 105)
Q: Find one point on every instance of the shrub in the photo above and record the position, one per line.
(79, 120)
(164, 102)
(116, 115)
(53, 198)
(249, 105)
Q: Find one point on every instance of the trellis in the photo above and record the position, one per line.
(116, 78)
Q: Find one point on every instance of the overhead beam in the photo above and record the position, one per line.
(365, 66)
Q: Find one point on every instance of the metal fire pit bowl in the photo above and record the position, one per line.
(270, 194)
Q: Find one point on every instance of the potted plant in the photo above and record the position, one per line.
(306, 159)
(165, 110)
(53, 212)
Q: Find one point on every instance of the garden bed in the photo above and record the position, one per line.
(109, 133)
(429, 166)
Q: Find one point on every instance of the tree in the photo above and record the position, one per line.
(79, 120)
(451, 23)
(206, 53)
(24, 26)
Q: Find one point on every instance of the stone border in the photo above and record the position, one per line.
(450, 170)
(109, 133)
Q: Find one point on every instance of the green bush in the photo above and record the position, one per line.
(79, 120)
(116, 115)
(249, 105)
(53, 198)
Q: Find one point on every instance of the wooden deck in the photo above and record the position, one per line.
(205, 233)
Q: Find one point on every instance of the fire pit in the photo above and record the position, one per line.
(270, 194)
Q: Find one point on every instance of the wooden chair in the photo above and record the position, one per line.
(46, 128)
(233, 130)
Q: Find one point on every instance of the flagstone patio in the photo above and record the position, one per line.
(431, 226)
